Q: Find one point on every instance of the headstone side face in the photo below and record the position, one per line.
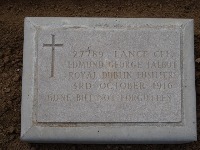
(108, 76)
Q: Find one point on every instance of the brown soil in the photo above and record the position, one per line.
(11, 44)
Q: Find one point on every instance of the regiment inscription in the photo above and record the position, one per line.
(109, 75)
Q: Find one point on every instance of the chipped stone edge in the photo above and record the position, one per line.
(108, 134)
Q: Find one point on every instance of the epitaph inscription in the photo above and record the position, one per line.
(107, 75)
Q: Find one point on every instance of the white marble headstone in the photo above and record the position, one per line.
(108, 80)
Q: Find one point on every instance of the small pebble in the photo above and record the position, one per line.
(9, 102)
(11, 129)
(16, 77)
(197, 60)
(7, 90)
(33, 148)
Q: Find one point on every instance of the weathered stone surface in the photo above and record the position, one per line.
(125, 80)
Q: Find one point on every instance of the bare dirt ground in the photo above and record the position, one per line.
(12, 15)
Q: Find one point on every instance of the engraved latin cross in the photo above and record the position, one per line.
(53, 45)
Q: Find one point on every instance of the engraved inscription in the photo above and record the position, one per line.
(110, 76)
(53, 45)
